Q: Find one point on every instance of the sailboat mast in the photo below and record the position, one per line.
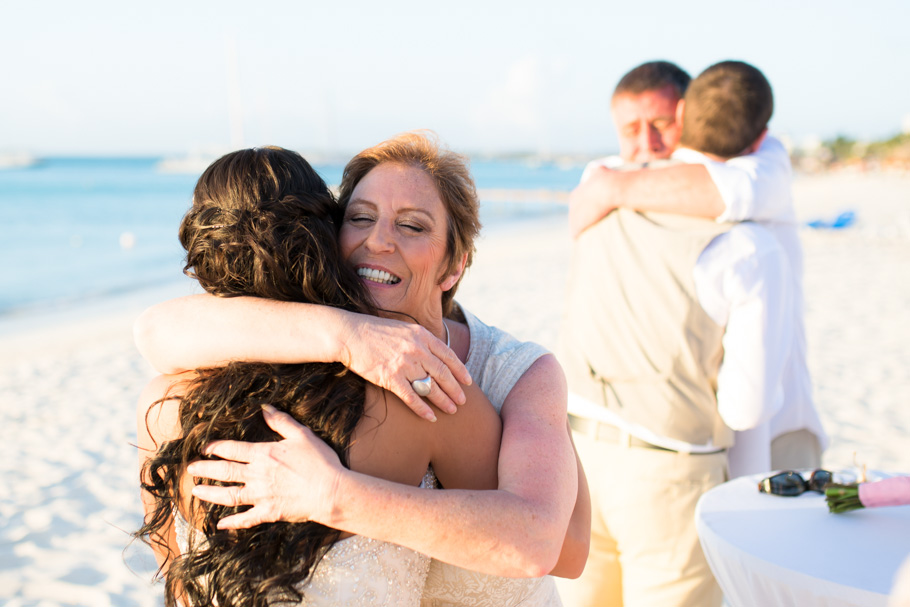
(235, 103)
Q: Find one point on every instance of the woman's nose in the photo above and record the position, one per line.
(379, 239)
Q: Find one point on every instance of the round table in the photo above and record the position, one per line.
(767, 550)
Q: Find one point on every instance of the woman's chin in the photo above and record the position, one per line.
(385, 297)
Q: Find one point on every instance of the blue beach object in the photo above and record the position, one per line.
(844, 220)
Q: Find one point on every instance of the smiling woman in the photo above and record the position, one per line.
(410, 219)
(394, 234)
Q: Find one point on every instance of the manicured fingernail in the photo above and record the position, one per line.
(430, 417)
(469, 380)
(269, 409)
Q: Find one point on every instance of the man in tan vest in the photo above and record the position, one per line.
(655, 303)
(751, 187)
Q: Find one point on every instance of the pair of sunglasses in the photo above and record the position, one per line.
(791, 483)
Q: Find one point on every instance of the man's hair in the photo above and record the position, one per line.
(727, 107)
(652, 76)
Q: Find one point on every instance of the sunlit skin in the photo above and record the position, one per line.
(646, 124)
(396, 222)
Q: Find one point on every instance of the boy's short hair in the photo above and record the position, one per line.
(727, 107)
(652, 76)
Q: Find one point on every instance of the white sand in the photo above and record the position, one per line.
(68, 384)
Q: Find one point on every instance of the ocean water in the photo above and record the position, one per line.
(78, 229)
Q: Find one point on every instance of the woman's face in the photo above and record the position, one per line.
(394, 234)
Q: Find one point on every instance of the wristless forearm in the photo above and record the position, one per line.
(682, 189)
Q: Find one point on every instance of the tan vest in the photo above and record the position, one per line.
(634, 337)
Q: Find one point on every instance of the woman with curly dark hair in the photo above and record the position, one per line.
(264, 224)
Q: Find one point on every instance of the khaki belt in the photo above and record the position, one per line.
(609, 433)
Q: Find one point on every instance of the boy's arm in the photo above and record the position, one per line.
(756, 186)
(757, 338)
(686, 189)
(751, 187)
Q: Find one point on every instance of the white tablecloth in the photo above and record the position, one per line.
(767, 550)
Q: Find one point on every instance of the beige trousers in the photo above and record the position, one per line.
(796, 450)
(644, 548)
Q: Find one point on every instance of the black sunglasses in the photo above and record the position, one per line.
(791, 484)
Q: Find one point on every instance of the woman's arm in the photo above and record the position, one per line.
(156, 423)
(577, 544)
(205, 331)
(517, 530)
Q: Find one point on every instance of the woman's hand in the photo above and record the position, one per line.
(391, 354)
(293, 480)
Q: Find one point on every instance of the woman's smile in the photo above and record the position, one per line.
(377, 276)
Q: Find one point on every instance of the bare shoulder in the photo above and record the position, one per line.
(390, 441)
(166, 387)
(465, 449)
(393, 443)
(157, 412)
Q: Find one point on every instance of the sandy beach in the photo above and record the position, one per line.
(68, 384)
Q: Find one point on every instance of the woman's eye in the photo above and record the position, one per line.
(413, 227)
(359, 218)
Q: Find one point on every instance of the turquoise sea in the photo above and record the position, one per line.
(78, 229)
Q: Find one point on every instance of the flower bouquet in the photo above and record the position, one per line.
(888, 492)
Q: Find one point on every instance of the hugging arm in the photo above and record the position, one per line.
(754, 186)
(517, 530)
(156, 423)
(685, 189)
(577, 543)
(207, 331)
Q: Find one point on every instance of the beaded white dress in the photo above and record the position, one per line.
(496, 361)
(356, 571)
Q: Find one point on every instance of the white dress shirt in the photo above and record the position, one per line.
(757, 187)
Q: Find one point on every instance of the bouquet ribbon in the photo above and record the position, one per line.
(888, 492)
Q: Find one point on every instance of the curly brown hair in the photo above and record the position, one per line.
(262, 224)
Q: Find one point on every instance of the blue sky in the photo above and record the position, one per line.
(106, 77)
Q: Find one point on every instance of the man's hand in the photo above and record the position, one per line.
(291, 480)
(391, 354)
(590, 201)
